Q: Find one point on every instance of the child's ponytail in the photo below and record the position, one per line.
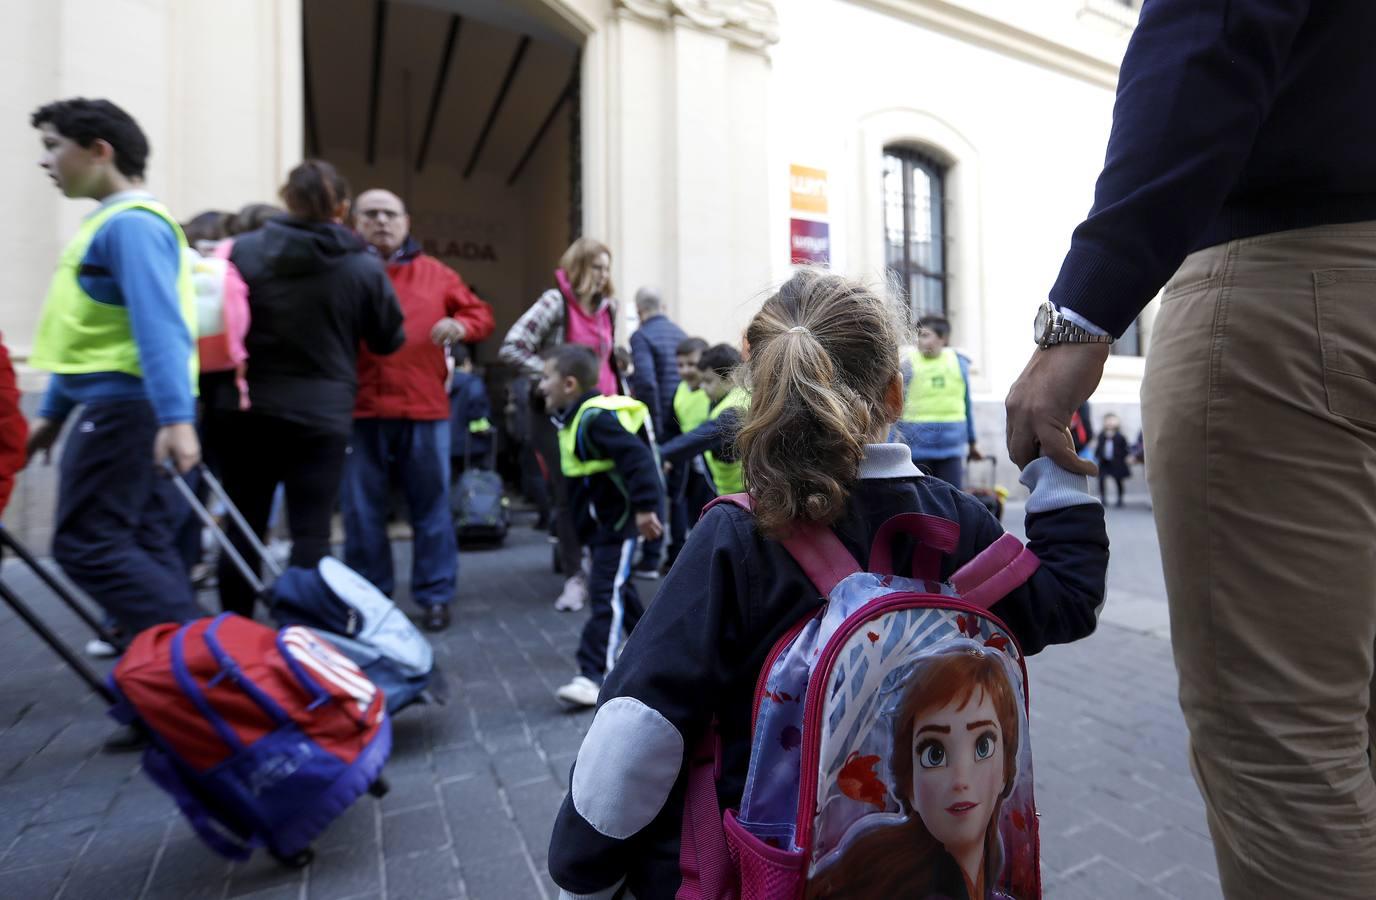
(823, 355)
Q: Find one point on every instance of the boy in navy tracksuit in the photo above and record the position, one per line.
(614, 492)
(470, 436)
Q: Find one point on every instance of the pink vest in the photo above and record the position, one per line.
(595, 331)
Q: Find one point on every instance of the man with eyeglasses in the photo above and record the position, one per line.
(401, 418)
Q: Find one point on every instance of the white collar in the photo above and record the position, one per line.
(888, 461)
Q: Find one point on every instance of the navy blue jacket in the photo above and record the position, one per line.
(654, 350)
(603, 505)
(1233, 118)
(732, 594)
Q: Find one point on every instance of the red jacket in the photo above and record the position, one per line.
(14, 430)
(409, 384)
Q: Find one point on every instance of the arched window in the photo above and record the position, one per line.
(915, 228)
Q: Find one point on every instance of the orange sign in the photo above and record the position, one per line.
(807, 189)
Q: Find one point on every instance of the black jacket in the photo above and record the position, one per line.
(315, 293)
(603, 505)
(732, 594)
(1233, 118)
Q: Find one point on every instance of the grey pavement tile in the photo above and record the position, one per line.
(281, 892)
(75, 801)
(34, 882)
(185, 860)
(1102, 880)
(1186, 883)
(520, 767)
(56, 842)
(263, 873)
(357, 829)
(414, 831)
(535, 806)
(1146, 860)
(406, 791)
(344, 872)
(1131, 818)
(1186, 848)
(116, 877)
(465, 760)
(502, 878)
(424, 876)
(198, 889)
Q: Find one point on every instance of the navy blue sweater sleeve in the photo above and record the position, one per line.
(645, 381)
(144, 258)
(632, 457)
(1196, 85)
(709, 436)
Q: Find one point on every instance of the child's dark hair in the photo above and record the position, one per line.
(624, 363)
(207, 226)
(87, 121)
(577, 362)
(252, 217)
(313, 190)
(460, 352)
(689, 346)
(938, 325)
(823, 357)
(721, 358)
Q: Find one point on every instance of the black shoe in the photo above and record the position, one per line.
(436, 618)
(126, 739)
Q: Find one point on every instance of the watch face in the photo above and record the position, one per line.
(1040, 324)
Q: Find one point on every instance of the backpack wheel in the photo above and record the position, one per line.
(296, 860)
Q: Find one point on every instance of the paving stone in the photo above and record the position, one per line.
(501, 878)
(57, 842)
(1187, 883)
(344, 872)
(415, 831)
(424, 876)
(34, 882)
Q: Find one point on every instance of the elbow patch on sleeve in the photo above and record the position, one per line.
(626, 767)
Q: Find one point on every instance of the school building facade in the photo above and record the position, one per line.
(948, 145)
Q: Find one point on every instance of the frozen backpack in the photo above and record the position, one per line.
(222, 314)
(890, 754)
(262, 737)
(363, 624)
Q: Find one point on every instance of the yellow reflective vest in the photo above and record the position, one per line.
(78, 334)
(632, 415)
(691, 407)
(728, 477)
(936, 392)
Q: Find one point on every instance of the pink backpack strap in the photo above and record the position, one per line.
(816, 549)
(995, 572)
(935, 536)
(703, 859)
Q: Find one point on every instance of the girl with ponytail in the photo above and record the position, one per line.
(825, 389)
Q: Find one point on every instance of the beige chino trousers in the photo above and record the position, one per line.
(1259, 409)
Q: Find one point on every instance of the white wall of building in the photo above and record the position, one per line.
(1024, 137)
(215, 86)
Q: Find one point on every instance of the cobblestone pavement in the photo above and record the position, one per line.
(475, 785)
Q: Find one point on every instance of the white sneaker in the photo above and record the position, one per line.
(98, 649)
(574, 595)
(581, 691)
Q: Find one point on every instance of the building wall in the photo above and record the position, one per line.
(1024, 138)
(215, 86)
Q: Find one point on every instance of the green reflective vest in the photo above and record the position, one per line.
(729, 477)
(691, 407)
(936, 392)
(631, 413)
(78, 334)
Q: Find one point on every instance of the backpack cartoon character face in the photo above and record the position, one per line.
(953, 760)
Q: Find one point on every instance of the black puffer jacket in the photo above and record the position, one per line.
(315, 293)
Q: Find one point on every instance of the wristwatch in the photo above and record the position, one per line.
(1052, 327)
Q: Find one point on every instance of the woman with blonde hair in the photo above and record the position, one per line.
(579, 309)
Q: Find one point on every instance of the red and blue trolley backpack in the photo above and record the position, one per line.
(890, 753)
(262, 737)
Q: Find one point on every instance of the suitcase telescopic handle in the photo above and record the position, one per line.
(240, 523)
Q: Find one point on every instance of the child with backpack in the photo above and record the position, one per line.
(714, 438)
(470, 436)
(614, 492)
(708, 658)
(688, 488)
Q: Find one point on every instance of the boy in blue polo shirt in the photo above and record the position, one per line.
(117, 333)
